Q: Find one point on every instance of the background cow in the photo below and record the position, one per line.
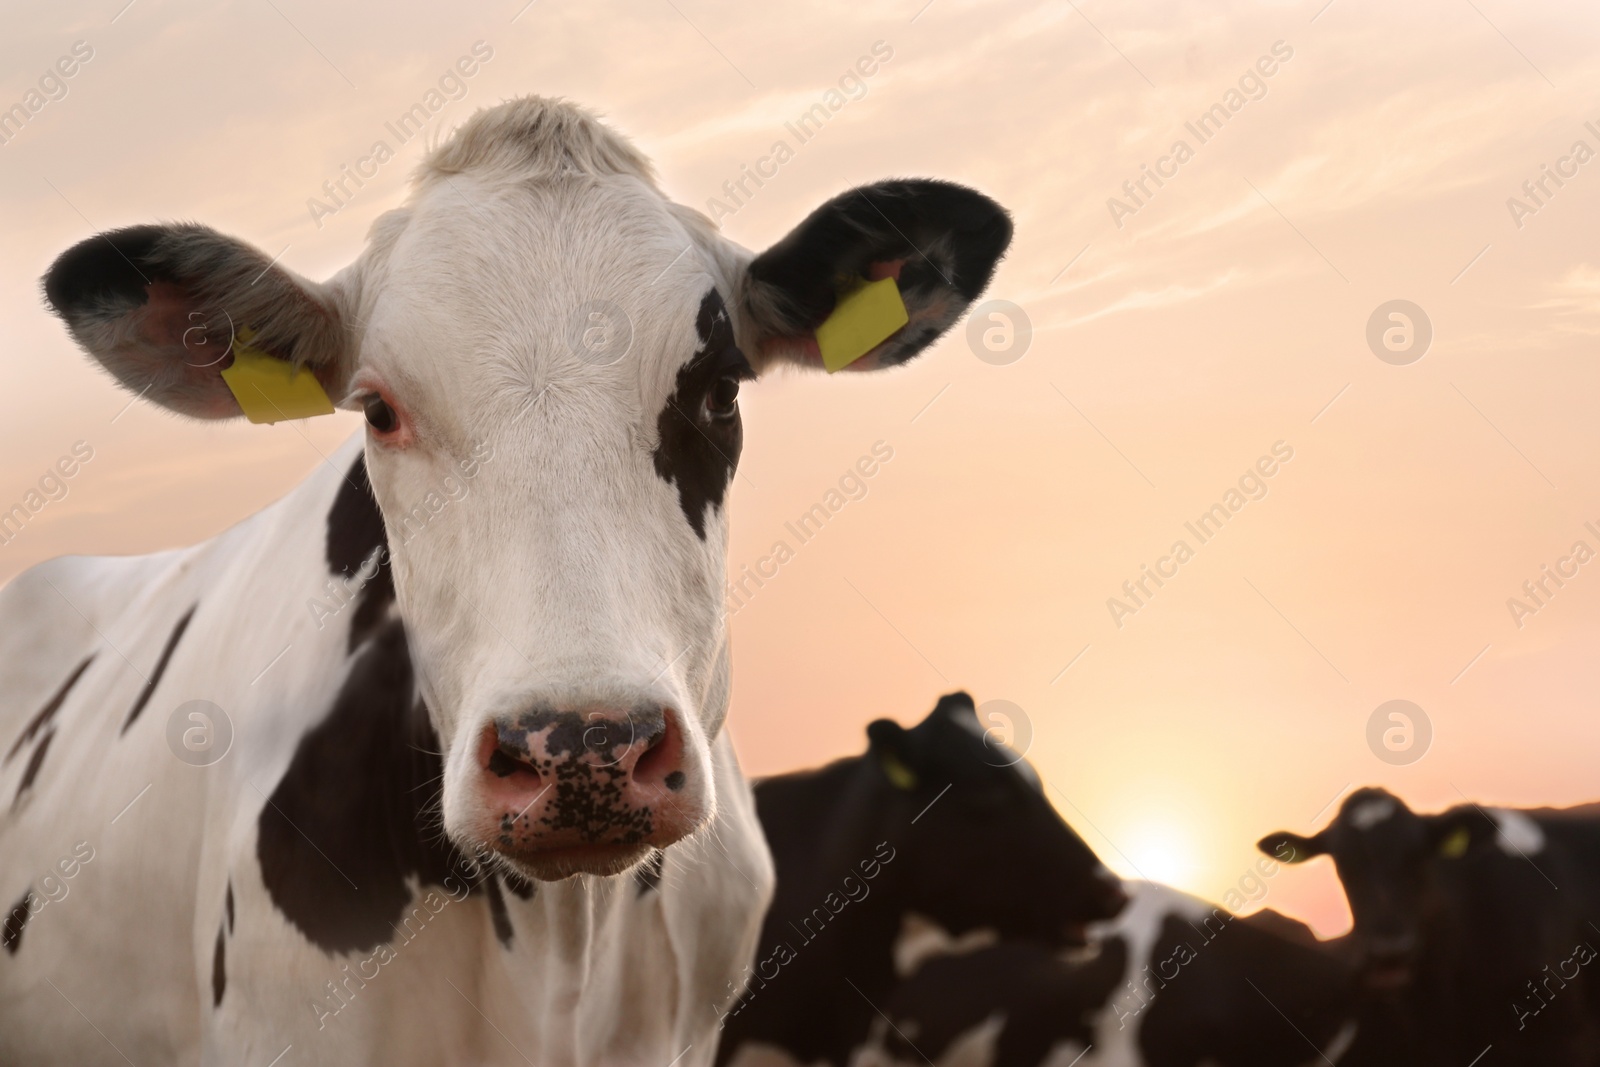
(1474, 928)
(936, 825)
(514, 688)
(1171, 982)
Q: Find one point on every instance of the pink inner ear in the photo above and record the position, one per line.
(169, 320)
(165, 315)
(889, 268)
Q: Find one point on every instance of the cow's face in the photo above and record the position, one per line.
(1388, 860)
(548, 355)
(983, 847)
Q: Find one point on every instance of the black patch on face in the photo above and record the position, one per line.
(695, 451)
(228, 904)
(355, 532)
(48, 713)
(219, 972)
(357, 811)
(497, 912)
(647, 875)
(16, 919)
(35, 761)
(161, 666)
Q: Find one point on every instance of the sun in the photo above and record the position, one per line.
(1160, 852)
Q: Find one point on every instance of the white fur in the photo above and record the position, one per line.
(921, 939)
(1370, 813)
(1519, 835)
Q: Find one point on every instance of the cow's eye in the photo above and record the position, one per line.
(723, 399)
(380, 416)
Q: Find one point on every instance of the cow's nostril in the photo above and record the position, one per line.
(502, 765)
(663, 760)
(500, 759)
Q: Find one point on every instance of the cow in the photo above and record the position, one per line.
(1171, 982)
(1474, 928)
(425, 763)
(940, 827)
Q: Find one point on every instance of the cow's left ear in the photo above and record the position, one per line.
(1286, 846)
(161, 307)
(938, 240)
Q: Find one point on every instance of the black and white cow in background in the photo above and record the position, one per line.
(935, 827)
(1171, 982)
(1475, 929)
(485, 811)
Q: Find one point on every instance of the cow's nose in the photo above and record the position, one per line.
(585, 782)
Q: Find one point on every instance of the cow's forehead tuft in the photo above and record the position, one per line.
(1368, 813)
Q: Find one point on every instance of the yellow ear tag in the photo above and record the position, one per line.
(1455, 846)
(900, 776)
(270, 389)
(861, 320)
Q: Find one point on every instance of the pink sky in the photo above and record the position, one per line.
(1227, 313)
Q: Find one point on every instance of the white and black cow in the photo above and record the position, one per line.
(1475, 929)
(1171, 982)
(479, 805)
(936, 827)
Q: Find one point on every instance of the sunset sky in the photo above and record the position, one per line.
(1180, 333)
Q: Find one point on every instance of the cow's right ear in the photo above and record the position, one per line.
(889, 744)
(159, 307)
(1286, 847)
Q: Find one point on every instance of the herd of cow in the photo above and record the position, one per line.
(997, 939)
(426, 763)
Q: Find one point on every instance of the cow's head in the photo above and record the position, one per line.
(981, 845)
(538, 299)
(1388, 859)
